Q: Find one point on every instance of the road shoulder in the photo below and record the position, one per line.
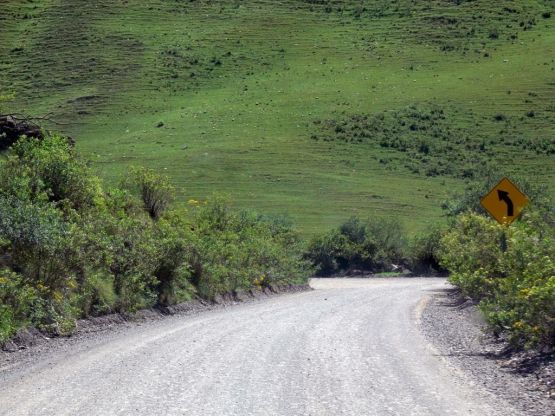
(456, 331)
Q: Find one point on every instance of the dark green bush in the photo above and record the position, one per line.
(173, 271)
(524, 301)
(389, 237)
(329, 253)
(41, 247)
(472, 252)
(97, 295)
(49, 170)
(374, 245)
(424, 252)
(238, 250)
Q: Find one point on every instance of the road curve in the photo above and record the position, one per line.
(350, 347)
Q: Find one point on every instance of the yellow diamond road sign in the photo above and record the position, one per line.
(504, 202)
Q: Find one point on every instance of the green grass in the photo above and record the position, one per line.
(239, 84)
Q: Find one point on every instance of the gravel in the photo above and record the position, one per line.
(456, 329)
(349, 347)
(30, 345)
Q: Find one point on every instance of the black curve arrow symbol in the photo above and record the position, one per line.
(504, 196)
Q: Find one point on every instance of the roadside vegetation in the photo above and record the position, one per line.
(509, 271)
(371, 245)
(70, 248)
(375, 246)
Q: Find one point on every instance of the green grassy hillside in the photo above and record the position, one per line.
(318, 108)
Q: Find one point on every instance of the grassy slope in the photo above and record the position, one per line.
(238, 85)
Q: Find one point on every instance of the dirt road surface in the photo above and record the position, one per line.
(350, 347)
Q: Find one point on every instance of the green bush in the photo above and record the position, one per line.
(132, 261)
(424, 252)
(239, 250)
(97, 295)
(173, 271)
(49, 170)
(41, 247)
(524, 302)
(330, 253)
(511, 270)
(18, 303)
(471, 251)
(389, 236)
(374, 245)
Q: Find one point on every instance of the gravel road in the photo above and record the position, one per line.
(350, 347)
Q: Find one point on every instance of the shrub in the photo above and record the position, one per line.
(18, 304)
(155, 191)
(133, 261)
(524, 302)
(97, 295)
(173, 272)
(493, 33)
(38, 213)
(329, 253)
(236, 250)
(516, 285)
(374, 245)
(424, 252)
(389, 237)
(472, 252)
(49, 170)
(40, 244)
(74, 250)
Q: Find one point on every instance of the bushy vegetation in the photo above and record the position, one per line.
(423, 252)
(457, 25)
(509, 270)
(432, 140)
(375, 245)
(239, 250)
(69, 248)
